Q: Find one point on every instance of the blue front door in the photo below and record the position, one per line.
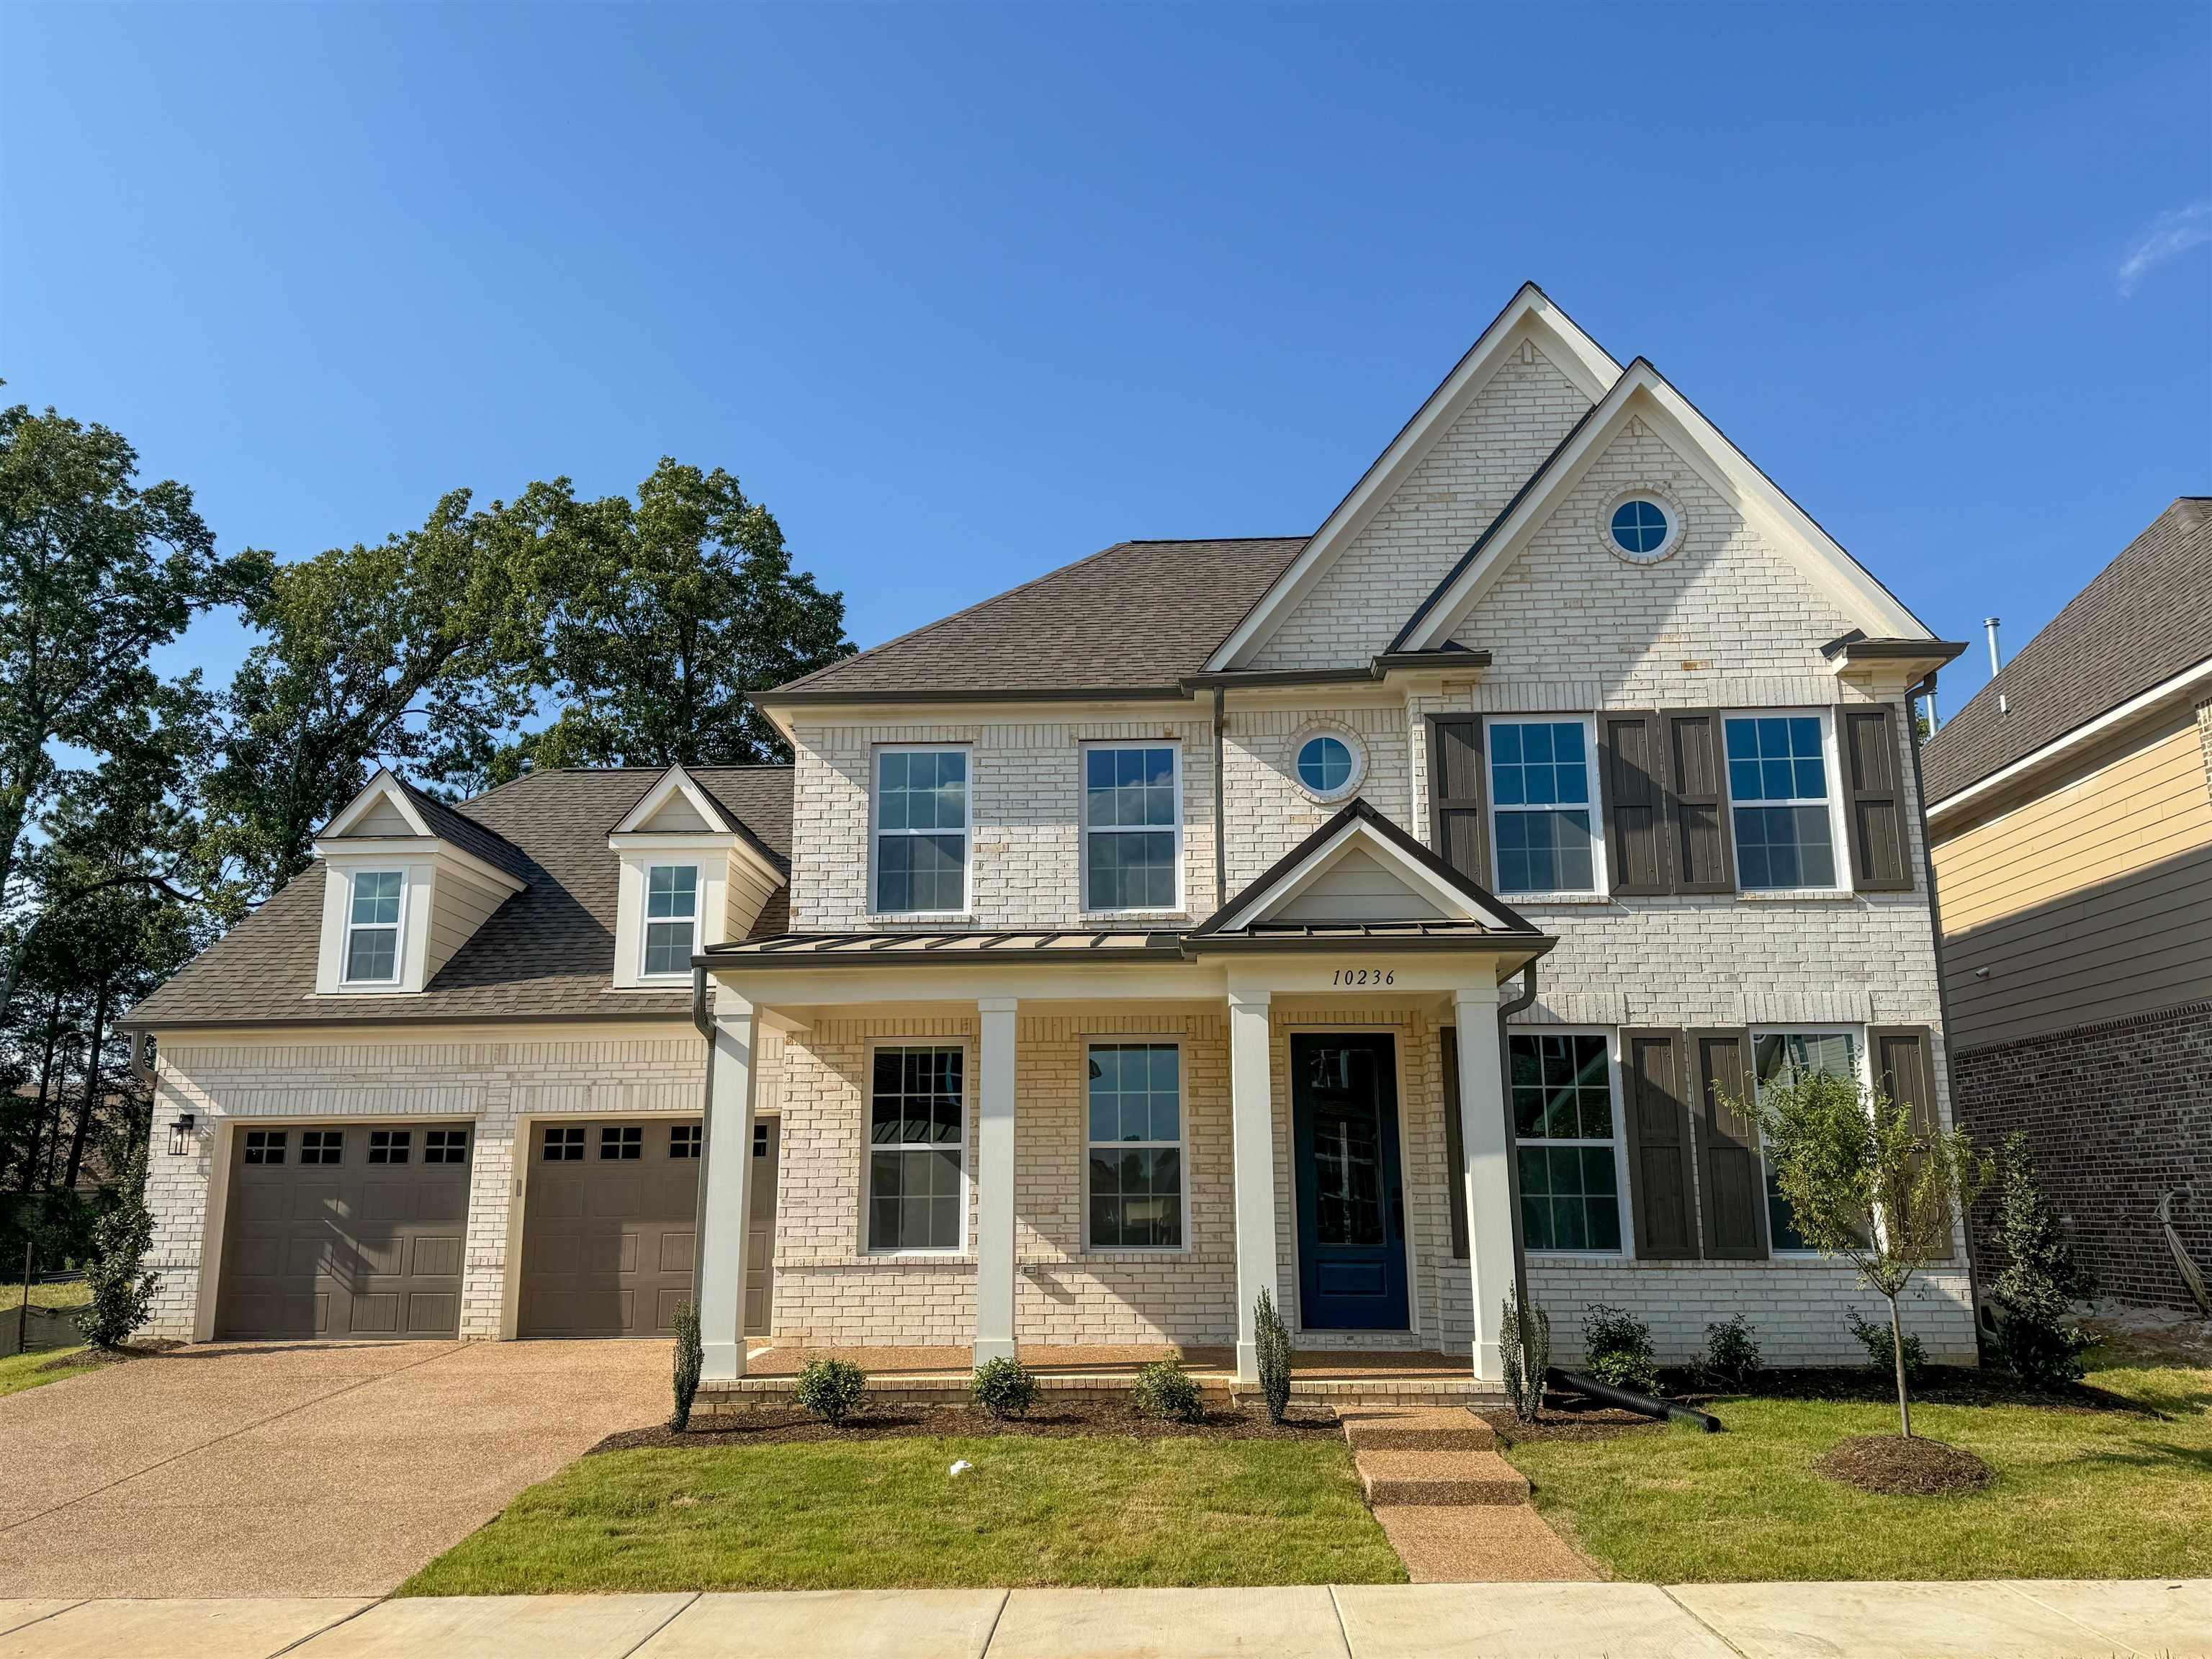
(1352, 1206)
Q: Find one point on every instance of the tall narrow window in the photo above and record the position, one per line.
(671, 917)
(917, 1132)
(1132, 832)
(922, 831)
(1777, 777)
(1540, 806)
(1778, 1054)
(1567, 1134)
(1136, 1146)
(372, 954)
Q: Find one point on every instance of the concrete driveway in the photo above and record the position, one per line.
(294, 1468)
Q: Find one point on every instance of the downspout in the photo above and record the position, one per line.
(1220, 796)
(1520, 999)
(1942, 981)
(706, 1024)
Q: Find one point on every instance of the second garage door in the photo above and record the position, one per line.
(608, 1228)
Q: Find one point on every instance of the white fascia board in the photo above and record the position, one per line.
(1530, 313)
(674, 780)
(383, 786)
(643, 842)
(352, 851)
(1291, 883)
(1642, 391)
(2065, 747)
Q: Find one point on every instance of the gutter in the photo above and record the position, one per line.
(1380, 668)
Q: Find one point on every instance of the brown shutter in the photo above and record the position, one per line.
(1731, 1179)
(1629, 772)
(1905, 1070)
(1459, 826)
(1697, 813)
(1455, 1146)
(1874, 801)
(1659, 1146)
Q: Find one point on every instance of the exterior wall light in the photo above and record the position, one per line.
(180, 1135)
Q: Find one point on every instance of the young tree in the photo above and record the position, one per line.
(2040, 1279)
(662, 614)
(122, 1290)
(1867, 1185)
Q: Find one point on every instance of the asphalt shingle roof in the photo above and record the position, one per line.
(1137, 616)
(2145, 618)
(547, 952)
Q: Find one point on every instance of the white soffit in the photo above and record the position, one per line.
(382, 789)
(673, 782)
(1529, 315)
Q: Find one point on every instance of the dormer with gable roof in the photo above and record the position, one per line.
(692, 875)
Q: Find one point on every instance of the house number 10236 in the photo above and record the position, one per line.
(1365, 976)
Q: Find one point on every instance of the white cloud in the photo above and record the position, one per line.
(2173, 232)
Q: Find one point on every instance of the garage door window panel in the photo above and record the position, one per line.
(322, 1146)
(265, 1145)
(563, 1144)
(390, 1145)
(623, 1141)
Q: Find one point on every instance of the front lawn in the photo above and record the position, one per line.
(28, 1371)
(2078, 1494)
(858, 1513)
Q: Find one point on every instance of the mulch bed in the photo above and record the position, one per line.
(1891, 1465)
(774, 1426)
(72, 1362)
(1568, 1417)
(1939, 1385)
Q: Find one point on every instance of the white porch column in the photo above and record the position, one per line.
(723, 1220)
(1252, 1135)
(994, 1182)
(1487, 1181)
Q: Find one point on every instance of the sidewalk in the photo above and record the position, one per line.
(2025, 1620)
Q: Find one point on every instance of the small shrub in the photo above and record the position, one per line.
(1527, 1341)
(1273, 1342)
(1875, 1339)
(830, 1388)
(1005, 1387)
(122, 1290)
(2040, 1280)
(1731, 1356)
(1617, 1348)
(1165, 1389)
(691, 1357)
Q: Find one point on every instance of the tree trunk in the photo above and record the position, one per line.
(45, 1082)
(90, 1108)
(1897, 1352)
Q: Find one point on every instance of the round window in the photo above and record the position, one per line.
(1641, 528)
(1324, 764)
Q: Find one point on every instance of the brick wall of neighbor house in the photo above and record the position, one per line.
(497, 1081)
(2116, 1113)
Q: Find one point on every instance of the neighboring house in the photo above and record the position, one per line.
(1152, 934)
(2071, 812)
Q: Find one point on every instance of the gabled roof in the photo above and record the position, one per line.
(1132, 619)
(546, 953)
(1529, 312)
(2145, 619)
(426, 816)
(1642, 389)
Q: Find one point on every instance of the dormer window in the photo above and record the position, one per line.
(671, 917)
(372, 944)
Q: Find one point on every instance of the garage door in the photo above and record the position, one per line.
(608, 1229)
(352, 1231)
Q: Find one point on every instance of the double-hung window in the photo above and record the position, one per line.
(1567, 1140)
(372, 946)
(917, 1139)
(1132, 828)
(1136, 1156)
(1777, 1054)
(1542, 806)
(922, 831)
(671, 917)
(1777, 782)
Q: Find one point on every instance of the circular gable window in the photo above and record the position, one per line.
(1329, 764)
(1643, 529)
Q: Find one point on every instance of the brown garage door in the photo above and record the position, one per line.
(345, 1231)
(608, 1229)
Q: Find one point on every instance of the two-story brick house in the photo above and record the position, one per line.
(1310, 914)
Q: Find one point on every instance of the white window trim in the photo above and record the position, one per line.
(1839, 847)
(1600, 876)
(965, 1049)
(398, 934)
(1354, 745)
(1862, 1068)
(1612, 1073)
(876, 832)
(647, 919)
(1084, 830)
(1182, 1146)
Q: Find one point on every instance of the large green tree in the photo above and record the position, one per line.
(661, 614)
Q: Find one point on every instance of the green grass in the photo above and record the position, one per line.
(24, 1370)
(884, 1513)
(2077, 1495)
(74, 1294)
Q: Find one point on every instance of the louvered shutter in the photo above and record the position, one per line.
(1874, 801)
(1455, 1146)
(1905, 1070)
(1459, 826)
(1731, 1179)
(1697, 843)
(1660, 1150)
(1632, 775)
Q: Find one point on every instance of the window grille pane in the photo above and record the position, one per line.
(390, 1145)
(373, 954)
(914, 1202)
(376, 898)
(672, 889)
(668, 947)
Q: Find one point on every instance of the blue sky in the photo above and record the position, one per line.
(964, 292)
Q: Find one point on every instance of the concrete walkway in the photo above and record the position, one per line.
(323, 1468)
(2024, 1619)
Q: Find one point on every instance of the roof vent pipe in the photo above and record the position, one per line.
(1997, 663)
